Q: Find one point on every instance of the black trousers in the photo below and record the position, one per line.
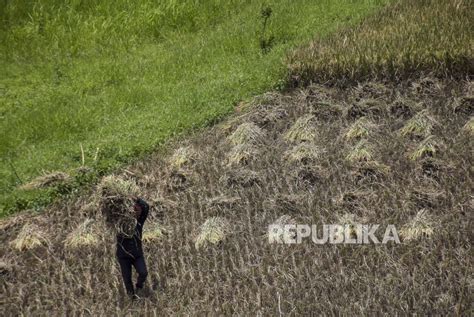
(126, 264)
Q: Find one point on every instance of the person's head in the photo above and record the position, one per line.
(137, 208)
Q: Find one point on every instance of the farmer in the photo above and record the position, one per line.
(129, 251)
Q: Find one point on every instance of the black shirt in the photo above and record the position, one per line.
(132, 247)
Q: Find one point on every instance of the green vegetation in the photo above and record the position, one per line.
(101, 83)
(432, 36)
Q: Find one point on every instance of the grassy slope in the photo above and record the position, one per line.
(120, 84)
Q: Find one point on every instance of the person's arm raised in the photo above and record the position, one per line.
(145, 208)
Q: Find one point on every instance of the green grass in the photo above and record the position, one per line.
(120, 78)
(405, 38)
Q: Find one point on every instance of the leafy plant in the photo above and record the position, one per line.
(266, 42)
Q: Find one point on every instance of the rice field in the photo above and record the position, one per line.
(206, 240)
(354, 139)
(402, 40)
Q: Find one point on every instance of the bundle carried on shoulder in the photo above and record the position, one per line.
(116, 199)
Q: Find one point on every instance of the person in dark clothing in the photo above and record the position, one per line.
(130, 252)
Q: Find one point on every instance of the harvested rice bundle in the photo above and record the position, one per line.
(116, 200)
(420, 126)
(47, 180)
(469, 126)
(361, 128)
(362, 151)
(302, 130)
(303, 153)
(30, 237)
(85, 235)
(183, 156)
(213, 231)
(153, 232)
(422, 225)
(427, 148)
(247, 133)
(241, 154)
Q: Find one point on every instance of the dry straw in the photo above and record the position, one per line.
(303, 153)
(14, 220)
(183, 156)
(350, 220)
(363, 127)
(153, 232)
(469, 126)
(116, 199)
(87, 234)
(286, 202)
(366, 107)
(370, 169)
(427, 195)
(223, 201)
(302, 130)
(371, 89)
(241, 154)
(427, 85)
(241, 177)
(279, 224)
(353, 198)
(272, 116)
(47, 180)
(327, 110)
(463, 105)
(179, 179)
(422, 225)
(361, 152)
(213, 231)
(30, 237)
(404, 107)
(427, 148)
(421, 125)
(247, 133)
(5, 267)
